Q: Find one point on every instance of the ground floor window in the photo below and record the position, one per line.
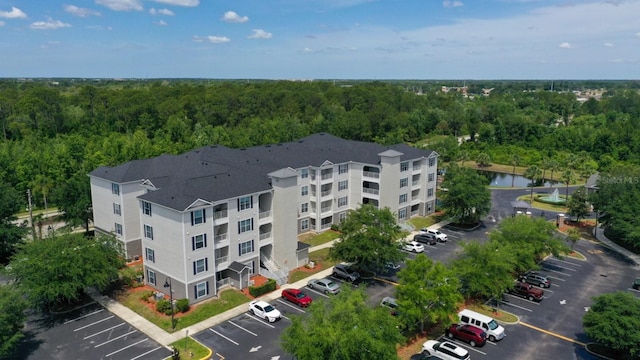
(151, 277)
(202, 289)
(402, 213)
(304, 225)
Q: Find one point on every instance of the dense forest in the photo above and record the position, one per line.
(55, 132)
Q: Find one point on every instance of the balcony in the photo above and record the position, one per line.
(325, 193)
(325, 209)
(265, 236)
(220, 237)
(415, 183)
(264, 214)
(222, 259)
(371, 174)
(371, 191)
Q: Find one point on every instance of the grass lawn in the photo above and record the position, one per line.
(319, 239)
(542, 206)
(497, 314)
(228, 299)
(420, 222)
(320, 259)
(189, 348)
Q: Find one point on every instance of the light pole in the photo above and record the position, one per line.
(167, 283)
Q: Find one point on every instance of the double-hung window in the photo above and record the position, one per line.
(304, 173)
(304, 191)
(146, 208)
(148, 232)
(116, 209)
(115, 189)
(430, 192)
(200, 265)
(404, 166)
(151, 277)
(245, 248)
(343, 168)
(343, 185)
(118, 228)
(404, 182)
(343, 201)
(198, 217)
(403, 198)
(150, 255)
(432, 161)
(199, 241)
(304, 208)
(202, 289)
(245, 225)
(245, 202)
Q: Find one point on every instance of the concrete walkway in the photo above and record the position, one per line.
(165, 338)
(599, 235)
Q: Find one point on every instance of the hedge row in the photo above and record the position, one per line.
(269, 286)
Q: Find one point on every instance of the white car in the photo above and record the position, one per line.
(439, 235)
(445, 350)
(264, 310)
(414, 246)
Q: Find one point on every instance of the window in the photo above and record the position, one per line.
(343, 201)
(198, 217)
(148, 232)
(304, 191)
(304, 208)
(202, 289)
(146, 208)
(402, 213)
(404, 182)
(200, 265)
(151, 277)
(118, 228)
(431, 176)
(343, 185)
(304, 173)
(342, 217)
(199, 241)
(116, 209)
(245, 203)
(245, 247)
(404, 166)
(304, 225)
(430, 192)
(343, 168)
(150, 255)
(403, 198)
(432, 161)
(245, 225)
(115, 189)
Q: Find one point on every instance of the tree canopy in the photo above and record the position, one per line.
(578, 203)
(12, 318)
(369, 238)
(58, 269)
(343, 327)
(467, 198)
(10, 233)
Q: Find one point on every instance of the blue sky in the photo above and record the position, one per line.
(321, 39)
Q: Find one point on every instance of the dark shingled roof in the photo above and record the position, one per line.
(302, 246)
(215, 173)
(237, 266)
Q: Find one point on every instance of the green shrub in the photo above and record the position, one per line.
(269, 286)
(182, 305)
(163, 306)
(145, 295)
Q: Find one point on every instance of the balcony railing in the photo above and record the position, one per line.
(265, 236)
(325, 209)
(370, 191)
(415, 183)
(220, 237)
(325, 226)
(414, 197)
(325, 193)
(327, 176)
(416, 167)
(222, 259)
(371, 174)
(264, 214)
(220, 214)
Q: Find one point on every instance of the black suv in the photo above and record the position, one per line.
(425, 238)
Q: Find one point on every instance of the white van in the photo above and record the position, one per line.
(484, 322)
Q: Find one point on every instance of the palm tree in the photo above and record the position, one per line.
(483, 160)
(554, 166)
(544, 166)
(568, 177)
(533, 172)
(515, 161)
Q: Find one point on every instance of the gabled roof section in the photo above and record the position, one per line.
(283, 173)
(215, 173)
(198, 203)
(390, 153)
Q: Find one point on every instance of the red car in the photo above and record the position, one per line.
(297, 297)
(471, 334)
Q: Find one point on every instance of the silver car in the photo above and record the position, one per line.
(327, 286)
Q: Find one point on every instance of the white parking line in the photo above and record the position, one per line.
(634, 290)
(224, 337)
(514, 305)
(260, 321)
(291, 306)
(462, 344)
(93, 323)
(103, 331)
(556, 278)
(317, 292)
(126, 347)
(83, 316)
(566, 262)
(147, 353)
(115, 338)
(241, 328)
(525, 299)
(560, 267)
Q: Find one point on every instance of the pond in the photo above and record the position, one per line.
(508, 180)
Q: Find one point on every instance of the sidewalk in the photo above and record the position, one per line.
(165, 338)
(599, 234)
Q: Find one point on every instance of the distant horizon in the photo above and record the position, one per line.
(321, 39)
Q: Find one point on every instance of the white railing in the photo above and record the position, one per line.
(371, 191)
(222, 259)
(414, 197)
(415, 182)
(325, 209)
(325, 226)
(280, 274)
(266, 235)
(371, 174)
(220, 237)
(222, 283)
(264, 214)
(414, 213)
(325, 193)
(220, 214)
(327, 176)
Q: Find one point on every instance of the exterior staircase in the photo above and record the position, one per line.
(279, 273)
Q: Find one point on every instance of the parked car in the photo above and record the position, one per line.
(392, 265)
(467, 333)
(439, 235)
(297, 297)
(390, 303)
(425, 238)
(536, 278)
(414, 246)
(327, 286)
(445, 350)
(264, 310)
(527, 291)
(636, 284)
(345, 272)
(430, 357)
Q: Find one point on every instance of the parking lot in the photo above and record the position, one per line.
(88, 333)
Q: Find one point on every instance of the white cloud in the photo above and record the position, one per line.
(452, 4)
(161, 23)
(1, 23)
(233, 17)
(121, 5)
(186, 3)
(260, 34)
(81, 12)
(608, 44)
(165, 12)
(50, 24)
(15, 13)
(565, 45)
(212, 39)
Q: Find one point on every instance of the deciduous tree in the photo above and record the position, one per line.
(467, 198)
(613, 321)
(12, 318)
(10, 234)
(578, 204)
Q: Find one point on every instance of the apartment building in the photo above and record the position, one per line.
(212, 217)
